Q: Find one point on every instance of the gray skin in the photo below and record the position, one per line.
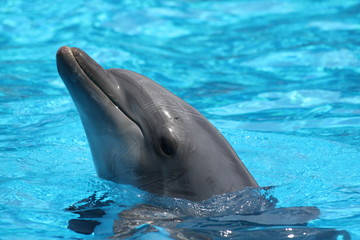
(143, 135)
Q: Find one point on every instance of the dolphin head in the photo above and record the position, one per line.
(142, 134)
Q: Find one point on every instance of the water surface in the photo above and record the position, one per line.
(280, 79)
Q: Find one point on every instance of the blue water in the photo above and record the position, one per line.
(280, 79)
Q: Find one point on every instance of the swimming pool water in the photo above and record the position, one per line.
(280, 79)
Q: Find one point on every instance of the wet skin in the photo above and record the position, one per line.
(142, 134)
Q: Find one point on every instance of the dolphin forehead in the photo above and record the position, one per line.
(142, 92)
(157, 111)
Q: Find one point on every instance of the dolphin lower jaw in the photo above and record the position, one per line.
(116, 149)
(105, 124)
(92, 86)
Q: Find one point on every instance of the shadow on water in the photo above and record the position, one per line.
(246, 214)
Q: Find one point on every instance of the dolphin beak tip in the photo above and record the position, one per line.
(63, 50)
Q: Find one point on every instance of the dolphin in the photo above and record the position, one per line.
(141, 134)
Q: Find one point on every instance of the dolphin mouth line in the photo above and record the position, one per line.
(87, 75)
(96, 84)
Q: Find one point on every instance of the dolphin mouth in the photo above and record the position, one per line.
(79, 71)
(81, 67)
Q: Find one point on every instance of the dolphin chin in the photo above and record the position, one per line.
(141, 134)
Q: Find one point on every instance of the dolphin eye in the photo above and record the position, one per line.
(167, 146)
